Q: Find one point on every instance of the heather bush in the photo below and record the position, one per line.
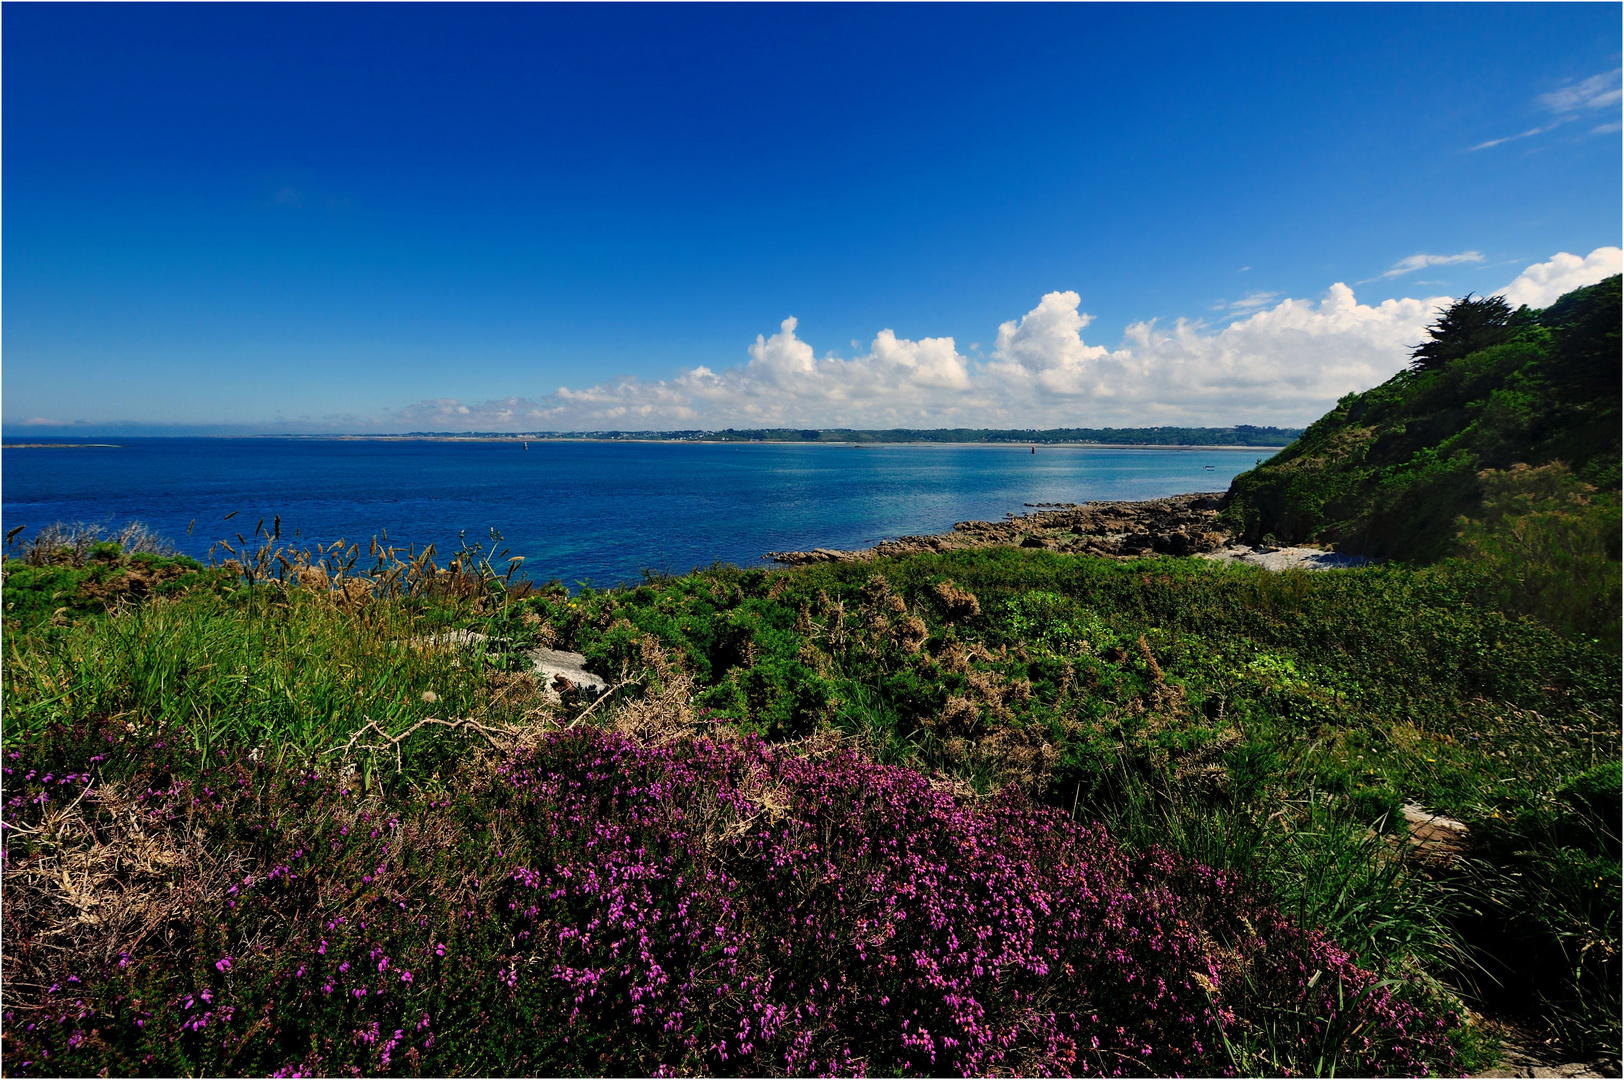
(593, 904)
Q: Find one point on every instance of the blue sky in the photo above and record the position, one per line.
(374, 218)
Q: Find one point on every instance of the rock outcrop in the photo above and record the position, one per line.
(1178, 525)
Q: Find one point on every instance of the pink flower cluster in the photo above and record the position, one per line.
(746, 909)
(706, 907)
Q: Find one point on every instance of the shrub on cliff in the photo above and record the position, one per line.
(1389, 471)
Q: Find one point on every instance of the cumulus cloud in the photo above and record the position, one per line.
(1543, 282)
(1044, 352)
(1277, 362)
(1285, 364)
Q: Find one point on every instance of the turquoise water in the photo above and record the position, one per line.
(580, 511)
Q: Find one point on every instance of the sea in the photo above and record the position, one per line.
(585, 513)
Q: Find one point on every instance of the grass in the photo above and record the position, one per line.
(1268, 724)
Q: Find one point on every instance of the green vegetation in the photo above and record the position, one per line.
(1499, 446)
(77, 571)
(1266, 723)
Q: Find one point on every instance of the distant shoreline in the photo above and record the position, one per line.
(1245, 436)
(788, 442)
(999, 445)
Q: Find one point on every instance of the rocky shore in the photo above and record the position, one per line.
(1177, 525)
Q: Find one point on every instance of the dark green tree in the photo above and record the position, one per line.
(1470, 324)
(1586, 361)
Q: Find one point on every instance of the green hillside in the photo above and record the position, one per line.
(1499, 446)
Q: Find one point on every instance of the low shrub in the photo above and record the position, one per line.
(593, 904)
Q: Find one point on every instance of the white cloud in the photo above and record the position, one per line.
(1512, 138)
(1045, 349)
(449, 414)
(1278, 362)
(1286, 364)
(1567, 102)
(1412, 263)
(1251, 301)
(897, 383)
(1542, 283)
(1597, 92)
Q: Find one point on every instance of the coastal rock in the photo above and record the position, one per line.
(1177, 525)
(1527, 1058)
(559, 672)
(1278, 558)
(816, 555)
(1432, 836)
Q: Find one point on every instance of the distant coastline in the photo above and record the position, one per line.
(1239, 437)
(850, 443)
(1242, 436)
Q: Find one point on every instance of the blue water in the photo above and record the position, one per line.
(580, 511)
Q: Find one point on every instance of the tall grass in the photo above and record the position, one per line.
(1547, 545)
(293, 672)
(290, 650)
(73, 544)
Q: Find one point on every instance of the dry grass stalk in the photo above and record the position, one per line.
(665, 714)
(509, 688)
(956, 602)
(99, 882)
(500, 737)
